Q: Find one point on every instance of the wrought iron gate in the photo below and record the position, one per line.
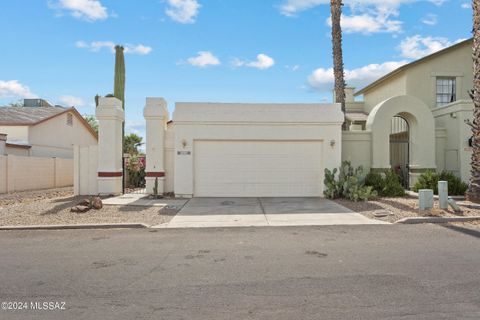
(400, 149)
(133, 181)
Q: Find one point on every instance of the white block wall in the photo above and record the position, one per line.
(19, 173)
(85, 170)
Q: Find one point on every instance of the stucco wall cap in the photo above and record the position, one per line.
(257, 112)
(155, 107)
(109, 108)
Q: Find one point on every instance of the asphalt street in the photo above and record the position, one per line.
(330, 272)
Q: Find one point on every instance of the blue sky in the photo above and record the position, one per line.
(211, 50)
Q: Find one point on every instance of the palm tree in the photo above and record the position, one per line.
(336, 12)
(473, 192)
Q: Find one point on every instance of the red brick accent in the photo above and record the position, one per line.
(159, 174)
(110, 174)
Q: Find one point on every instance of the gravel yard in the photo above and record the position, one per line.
(403, 207)
(52, 207)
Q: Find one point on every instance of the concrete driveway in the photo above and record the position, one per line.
(262, 212)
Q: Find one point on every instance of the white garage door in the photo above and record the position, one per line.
(258, 168)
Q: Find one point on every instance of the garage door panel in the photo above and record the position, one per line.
(258, 168)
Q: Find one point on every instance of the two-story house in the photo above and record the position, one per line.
(413, 118)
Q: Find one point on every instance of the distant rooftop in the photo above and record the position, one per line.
(32, 112)
(33, 103)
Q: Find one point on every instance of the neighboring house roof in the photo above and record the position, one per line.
(409, 65)
(21, 116)
(29, 116)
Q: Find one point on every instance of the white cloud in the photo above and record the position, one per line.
(369, 23)
(293, 68)
(96, 46)
(437, 2)
(466, 5)
(293, 7)
(430, 19)
(416, 46)
(71, 101)
(366, 16)
(138, 49)
(263, 62)
(204, 59)
(14, 89)
(322, 79)
(135, 126)
(183, 11)
(90, 10)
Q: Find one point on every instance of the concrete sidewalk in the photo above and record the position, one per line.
(262, 212)
(143, 200)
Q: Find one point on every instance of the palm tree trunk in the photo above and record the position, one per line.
(339, 86)
(473, 193)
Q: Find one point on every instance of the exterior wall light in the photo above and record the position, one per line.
(332, 143)
(184, 143)
(453, 115)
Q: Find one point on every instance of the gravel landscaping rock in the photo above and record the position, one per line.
(80, 209)
(404, 207)
(52, 207)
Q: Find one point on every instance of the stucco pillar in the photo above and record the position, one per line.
(110, 117)
(156, 117)
(3, 143)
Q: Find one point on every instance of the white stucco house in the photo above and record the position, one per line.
(411, 120)
(39, 129)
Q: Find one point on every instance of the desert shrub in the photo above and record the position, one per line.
(393, 185)
(387, 184)
(429, 180)
(456, 187)
(350, 183)
(376, 181)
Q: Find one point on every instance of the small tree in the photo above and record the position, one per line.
(97, 99)
(92, 121)
(16, 104)
(131, 143)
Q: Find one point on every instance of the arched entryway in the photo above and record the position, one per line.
(421, 134)
(400, 148)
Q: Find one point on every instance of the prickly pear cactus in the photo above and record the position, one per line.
(350, 183)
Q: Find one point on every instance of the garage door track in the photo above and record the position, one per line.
(263, 212)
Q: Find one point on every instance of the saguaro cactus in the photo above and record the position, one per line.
(119, 81)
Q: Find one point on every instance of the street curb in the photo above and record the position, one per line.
(418, 220)
(77, 226)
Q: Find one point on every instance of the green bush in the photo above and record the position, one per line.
(350, 183)
(429, 180)
(386, 184)
(456, 187)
